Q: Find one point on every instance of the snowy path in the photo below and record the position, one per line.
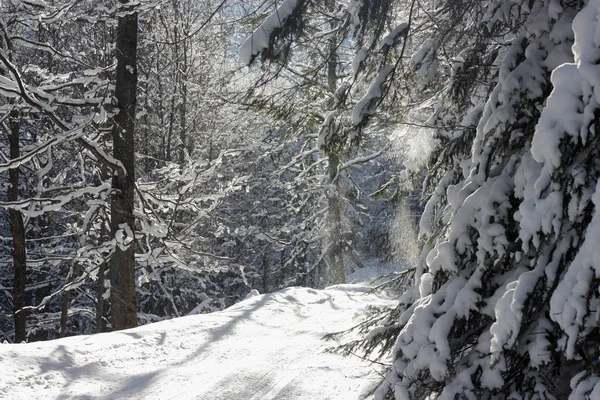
(266, 347)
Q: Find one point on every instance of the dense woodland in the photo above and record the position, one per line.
(162, 158)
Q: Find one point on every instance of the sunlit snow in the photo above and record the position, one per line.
(265, 347)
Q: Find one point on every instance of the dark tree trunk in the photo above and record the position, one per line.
(335, 271)
(100, 321)
(146, 148)
(184, 137)
(18, 233)
(64, 313)
(170, 131)
(100, 326)
(174, 94)
(122, 267)
(161, 110)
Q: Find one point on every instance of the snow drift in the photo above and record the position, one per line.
(265, 347)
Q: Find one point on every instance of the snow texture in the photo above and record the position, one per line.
(366, 106)
(259, 40)
(564, 142)
(475, 286)
(265, 347)
(359, 57)
(393, 37)
(424, 61)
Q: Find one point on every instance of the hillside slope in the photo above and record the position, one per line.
(266, 347)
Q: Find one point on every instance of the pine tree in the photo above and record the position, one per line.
(504, 296)
(498, 306)
(305, 44)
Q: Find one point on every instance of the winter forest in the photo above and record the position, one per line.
(428, 164)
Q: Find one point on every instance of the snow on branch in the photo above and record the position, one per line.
(17, 86)
(424, 61)
(359, 160)
(36, 3)
(367, 105)
(395, 35)
(566, 135)
(39, 46)
(38, 206)
(362, 160)
(259, 40)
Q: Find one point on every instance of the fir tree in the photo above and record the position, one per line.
(506, 292)
(503, 299)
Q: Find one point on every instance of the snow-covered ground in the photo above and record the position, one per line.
(374, 270)
(266, 347)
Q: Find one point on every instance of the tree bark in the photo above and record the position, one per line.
(18, 232)
(64, 313)
(122, 266)
(100, 300)
(100, 321)
(174, 93)
(335, 271)
(184, 137)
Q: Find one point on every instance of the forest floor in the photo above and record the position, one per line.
(265, 347)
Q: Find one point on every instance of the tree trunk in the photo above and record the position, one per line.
(100, 327)
(100, 324)
(175, 92)
(146, 148)
(18, 232)
(183, 110)
(64, 313)
(335, 271)
(122, 267)
(161, 109)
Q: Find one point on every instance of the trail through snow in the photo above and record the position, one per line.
(265, 347)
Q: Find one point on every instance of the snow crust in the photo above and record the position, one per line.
(265, 347)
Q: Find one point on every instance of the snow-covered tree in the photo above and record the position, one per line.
(503, 303)
(504, 297)
(53, 97)
(308, 49)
